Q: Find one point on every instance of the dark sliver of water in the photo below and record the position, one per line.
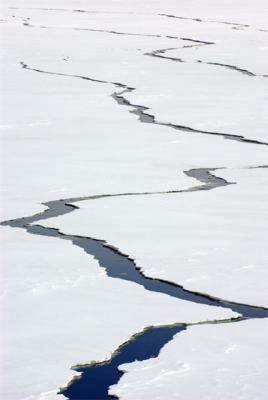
(205, 20)
(121, 266)
(160, 54)
(98, 377)
(60, 207)
(148, 118)
(140, 110)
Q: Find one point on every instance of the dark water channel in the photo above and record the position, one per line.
(96, 379)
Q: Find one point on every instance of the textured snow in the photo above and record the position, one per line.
(204, 362)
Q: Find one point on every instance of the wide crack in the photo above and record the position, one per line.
(96, 378)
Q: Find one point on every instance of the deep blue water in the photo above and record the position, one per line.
(95, 380)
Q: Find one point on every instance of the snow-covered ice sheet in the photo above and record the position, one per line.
(204, 362)
(204, 97)
(68, 137)
(212, 242)
(63, 310)
(78, 139)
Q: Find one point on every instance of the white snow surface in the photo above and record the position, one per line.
(204, 362)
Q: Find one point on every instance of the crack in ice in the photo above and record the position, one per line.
(140, 110)
(160, 54)
(121, 266)
(142, 345)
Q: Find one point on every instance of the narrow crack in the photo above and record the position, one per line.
(61, 207)
(259, 166)
(234, 24)
(25, 66)
(160, 54)
(140, 110)
(232, 67)
(149, 118)
(113, 32)
(75, 10)
(120, 33)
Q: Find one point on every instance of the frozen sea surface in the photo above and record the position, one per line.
(150, 120)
